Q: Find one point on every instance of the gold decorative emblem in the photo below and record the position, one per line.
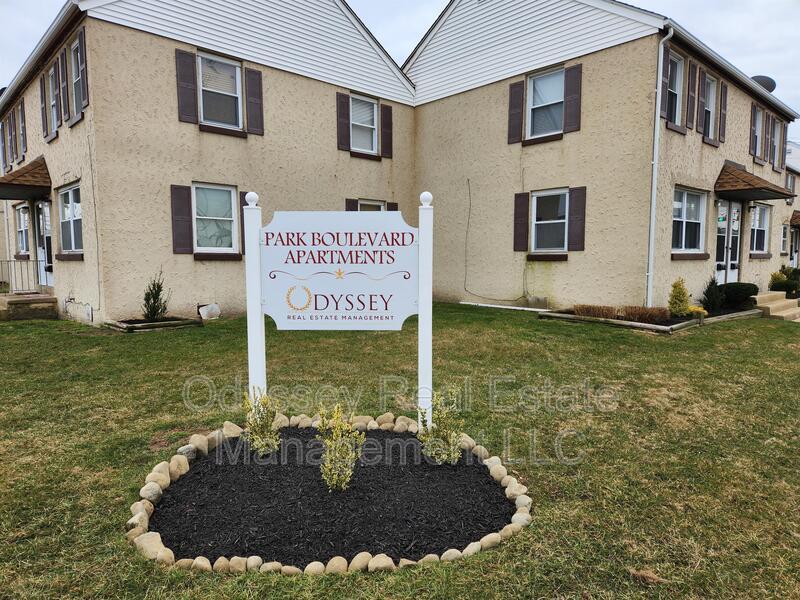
(295, 308)
(339, 274)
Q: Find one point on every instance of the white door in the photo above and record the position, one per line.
(44, 244)
(729, 237)
(794, 252)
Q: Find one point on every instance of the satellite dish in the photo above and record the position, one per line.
(768, 83)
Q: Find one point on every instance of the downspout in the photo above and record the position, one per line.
(651, 240)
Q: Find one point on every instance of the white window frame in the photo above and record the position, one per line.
(679, 92)
(531, 107)
(374, 103)
(759, 131)
(759, 224)
(235, 248)
(52, 85)
(703, 210)
(22, 133)
(23, 229)
(70, 192)
(200, 89)
(711, 99)
(534, 204)
(791, 182)
(379, 203)
(3, 160)
(785, 239)
(77, 83)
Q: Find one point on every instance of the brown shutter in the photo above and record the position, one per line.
(343, 121)
(43, 96)
(351, 205)
(23, 127)
(522, 225)
(387, 141)
(723, 111)
(691, 95)
(577, 219)
(665, 82)
(182, 235)
(57, 70)
(186, 73)
(701, 103)
(768, 138)
(516, 108)
(64, 85)
(753, 111)
(392, 206)
(82, 67)
(785, 150)
(12, 126)
(242, 204)
(255, 101)
(573, 77)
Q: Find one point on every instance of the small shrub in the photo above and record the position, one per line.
(155, 299)
(794, 274)
(596, 311)
(679, 299)
(698, 312)
(739, 295)
(441, 443)
(713, 299)
(790, 286)
(342, 448)
(644, 314)
(258, 430)
(777, 277)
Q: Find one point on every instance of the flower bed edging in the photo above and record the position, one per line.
(664, 329)
(150, 546)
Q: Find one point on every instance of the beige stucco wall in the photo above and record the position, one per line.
(688, 162)
(463, 156)
(142, 149)
(5, 228)
(69, 160)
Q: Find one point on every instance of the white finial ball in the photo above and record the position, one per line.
(426, 198)
(251, 198)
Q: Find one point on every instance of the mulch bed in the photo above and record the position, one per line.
(279, 508)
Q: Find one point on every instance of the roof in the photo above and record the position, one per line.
(28, 182)
(736, 183)
(796, 218)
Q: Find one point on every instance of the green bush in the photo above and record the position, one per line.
(790, 286)
(342, 448)
(155, 299)
(441, 443)
(258, 430)
(679, 299)
(794, 274)
(739, 295)
(713, 298)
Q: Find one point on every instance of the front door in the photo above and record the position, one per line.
(794, 253)
(44, 244)
(729, 237)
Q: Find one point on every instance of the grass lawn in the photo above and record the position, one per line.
(686, 455)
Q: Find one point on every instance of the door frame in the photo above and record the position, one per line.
(44, 253)
(727, 262)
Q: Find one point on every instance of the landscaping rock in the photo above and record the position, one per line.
(451, 555)
(359, 426)
(294, 420)
(151, 492)
(523, 501)
(214, 439)
(338, 564)
(271, 567)
(521, 519)
(149, 544)
(404, 419)
(165, 557)
(480, 452)
(162, 480)
(221, 565)
(404, 562)
(507, 480)
(162, 467)
(314, 568)
(139, 520)
(400, 427)
(385, 418)
(184, 564)
(515, 491)
(231, 430)
(381, 562)
(490, 462)
(387, 427)
(200, 442)
(143, 506)
(498, 473)
(280, 421)
(201, 563)
(134, 533)
(360, 562)
(413, 428)
(472, 549)
(373, 425)
(429, 558)
(254, 563)
(466, 443)
(361, 419)
(304, 423)
(189, 451)
(509, 530)
(237, 564)
(316, 420)
(490, 541)
(290, 571)
(178, 467)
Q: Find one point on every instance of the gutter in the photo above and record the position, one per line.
(651, 238)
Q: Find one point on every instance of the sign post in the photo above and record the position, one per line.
(339, 271)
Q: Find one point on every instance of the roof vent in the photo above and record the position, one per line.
(768, 83)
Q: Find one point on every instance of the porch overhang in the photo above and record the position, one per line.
(795, 222)
(736, 183)
(31, 182)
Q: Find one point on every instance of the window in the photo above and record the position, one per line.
(549, 227)
(675, 89)
(220, 91)
(790, 182)
(10, 146)
(785, 240)
(546, 104)
(23, 215)
(777, 130)
(363, 125)
(371, 206)
(23, 131)
(758, 232)
(215, 209)
(688, 221)
(709, 116)
(3, 146)
(77, 83)
(71, 220)
(759, 129)
(53, 104)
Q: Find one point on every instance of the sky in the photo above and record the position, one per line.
(761, 37)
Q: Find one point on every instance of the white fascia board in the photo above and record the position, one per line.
(626, 10)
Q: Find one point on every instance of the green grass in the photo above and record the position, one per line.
(690, 469)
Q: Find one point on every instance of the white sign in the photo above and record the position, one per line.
(339, 270)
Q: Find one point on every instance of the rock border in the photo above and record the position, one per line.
(150, 546)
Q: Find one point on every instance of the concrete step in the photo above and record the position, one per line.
(787, 315)
(29, 306)
(777, 306)
(768, 297)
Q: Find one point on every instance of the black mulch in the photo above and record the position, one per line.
(233, 504)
